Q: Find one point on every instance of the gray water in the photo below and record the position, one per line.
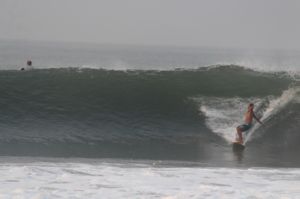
(122, 121)
(14, 54)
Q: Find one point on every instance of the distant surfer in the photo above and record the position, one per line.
(28, 67)
(249, 115)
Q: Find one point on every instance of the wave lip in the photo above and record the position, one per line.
(125, 57)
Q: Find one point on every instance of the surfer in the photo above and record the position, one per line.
(28, 67)
(249, 115)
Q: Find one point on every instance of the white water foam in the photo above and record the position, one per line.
(139, 180)
(223, 115)
(274, 107)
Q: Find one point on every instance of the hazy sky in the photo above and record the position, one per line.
(224, 23)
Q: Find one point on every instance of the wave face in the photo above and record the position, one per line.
(176, 114)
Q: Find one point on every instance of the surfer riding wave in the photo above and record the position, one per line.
(249, 115)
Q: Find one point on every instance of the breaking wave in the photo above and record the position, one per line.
(176, 114)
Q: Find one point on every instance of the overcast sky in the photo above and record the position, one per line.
(221, 23)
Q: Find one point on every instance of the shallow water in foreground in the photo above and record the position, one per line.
(79, 178)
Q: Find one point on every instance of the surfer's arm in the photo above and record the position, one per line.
(256, 118)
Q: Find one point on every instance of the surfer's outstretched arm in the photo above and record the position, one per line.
(256, 118)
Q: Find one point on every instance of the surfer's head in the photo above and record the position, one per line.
(250, 106)
(29, 63)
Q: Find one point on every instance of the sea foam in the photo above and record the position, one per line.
(143, 180)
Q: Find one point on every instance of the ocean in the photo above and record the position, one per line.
(121, 121)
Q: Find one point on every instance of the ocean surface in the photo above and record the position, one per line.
(116, 121)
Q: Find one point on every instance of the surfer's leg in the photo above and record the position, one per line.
(240, 135)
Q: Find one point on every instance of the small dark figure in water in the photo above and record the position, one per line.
(249, 115)
(29, 65)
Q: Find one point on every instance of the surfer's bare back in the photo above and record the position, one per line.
(249, 115)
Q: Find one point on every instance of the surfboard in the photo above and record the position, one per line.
(237, 146)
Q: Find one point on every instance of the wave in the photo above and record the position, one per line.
(135, 113)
